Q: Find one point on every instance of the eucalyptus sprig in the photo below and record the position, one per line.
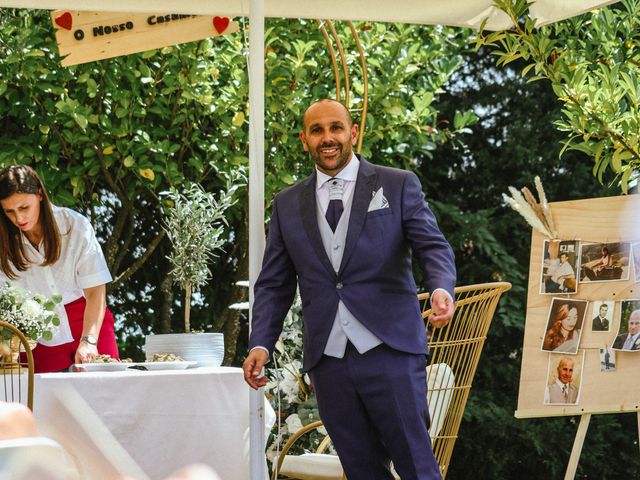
(195, 223)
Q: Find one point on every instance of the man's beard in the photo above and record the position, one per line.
(343, 156)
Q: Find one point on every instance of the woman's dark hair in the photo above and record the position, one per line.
(24, 179)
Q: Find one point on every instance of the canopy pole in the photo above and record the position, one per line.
(256, 216)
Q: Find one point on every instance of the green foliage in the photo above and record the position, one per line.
(591, 62)
(194, 223)
(33, 315)
(407, 67)
(108, 136)
(512, 142)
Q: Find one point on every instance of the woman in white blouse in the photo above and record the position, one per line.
(53, 250)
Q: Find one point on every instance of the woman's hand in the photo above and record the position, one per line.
(93, 316)
(86, 353)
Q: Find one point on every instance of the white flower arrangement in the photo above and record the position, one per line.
(33, 315)
(289, 390)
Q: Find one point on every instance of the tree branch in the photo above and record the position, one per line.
(124, 276)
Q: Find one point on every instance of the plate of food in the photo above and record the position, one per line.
(165, 361)
(175, 365)
(103, 363)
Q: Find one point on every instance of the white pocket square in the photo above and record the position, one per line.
(378, 202)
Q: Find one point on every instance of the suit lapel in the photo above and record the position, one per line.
(365, 185)
(308, 209)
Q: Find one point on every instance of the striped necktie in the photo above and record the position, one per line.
(335, 208)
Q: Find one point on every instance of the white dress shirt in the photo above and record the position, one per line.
(81, 265)
(348, 174)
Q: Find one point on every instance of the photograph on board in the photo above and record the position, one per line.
(602, 313)
(564, 378)
(628, 336)
(635, 247)
(564, 325)
(607, 359)
(559, 266)
(605, 262)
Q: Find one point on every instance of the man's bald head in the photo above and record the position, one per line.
(634, 322)
(324, 101)
(328, 135)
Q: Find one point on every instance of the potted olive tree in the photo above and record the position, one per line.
(194, 222)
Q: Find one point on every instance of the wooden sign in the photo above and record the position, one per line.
(87, 36)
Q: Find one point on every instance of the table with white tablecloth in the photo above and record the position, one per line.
(169, 418)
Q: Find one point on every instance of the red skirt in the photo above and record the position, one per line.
(61, 357)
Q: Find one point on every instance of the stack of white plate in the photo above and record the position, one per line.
(205, 348)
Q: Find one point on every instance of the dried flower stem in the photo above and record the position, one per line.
(545, 207)
(532, 201)
(523, 208)
(538, 215)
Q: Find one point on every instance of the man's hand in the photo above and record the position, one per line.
(252, 367)
(441, 309)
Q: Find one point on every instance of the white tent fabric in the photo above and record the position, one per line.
(550, 11)
(463, 13)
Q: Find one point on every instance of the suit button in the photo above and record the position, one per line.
(339, 285)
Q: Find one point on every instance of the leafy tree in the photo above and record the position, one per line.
(591, 62)
(513, 141)
(109, 136)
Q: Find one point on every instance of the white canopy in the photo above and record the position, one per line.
(462, 13)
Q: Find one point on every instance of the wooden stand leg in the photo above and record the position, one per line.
(577, 446)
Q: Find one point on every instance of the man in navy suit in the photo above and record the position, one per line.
(630, 340)
(346, 235)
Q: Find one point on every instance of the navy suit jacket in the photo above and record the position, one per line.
(375, 280)
(620, 339)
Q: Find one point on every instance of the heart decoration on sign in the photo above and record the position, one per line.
(220, 24)
(65, 21)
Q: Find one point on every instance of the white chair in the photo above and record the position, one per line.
(441, 384)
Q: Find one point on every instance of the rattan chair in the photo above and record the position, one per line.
(16, 376)
(454, 354)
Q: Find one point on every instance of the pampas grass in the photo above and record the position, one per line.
(537, 214)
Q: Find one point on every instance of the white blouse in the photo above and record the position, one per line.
(81, 265)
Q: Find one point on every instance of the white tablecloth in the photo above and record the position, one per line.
(168, 419)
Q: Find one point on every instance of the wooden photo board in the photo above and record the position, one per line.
(599, 220)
